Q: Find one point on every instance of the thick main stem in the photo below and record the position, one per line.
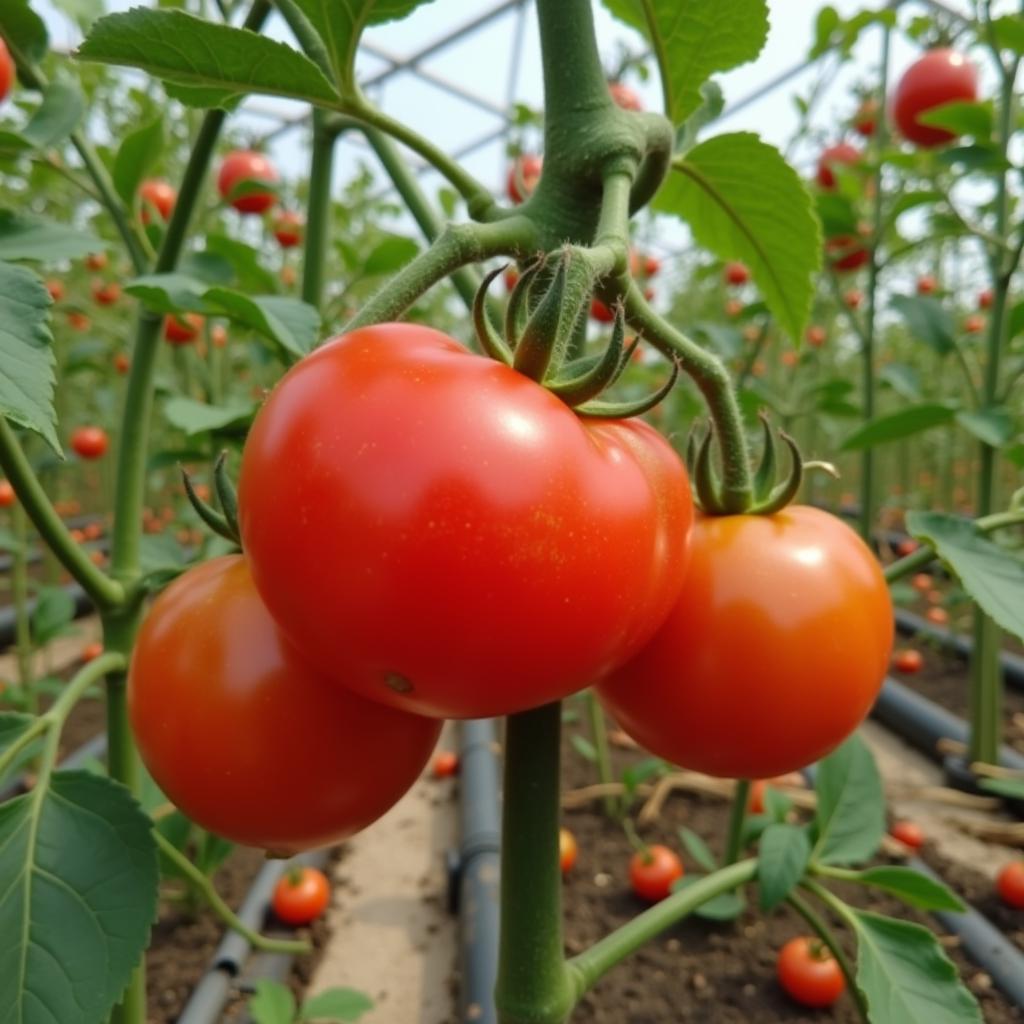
(19, 598)
(318, 210)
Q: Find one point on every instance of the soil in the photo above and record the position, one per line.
(705, 971)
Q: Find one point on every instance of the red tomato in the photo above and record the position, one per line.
(809, 973)
(790, 359)
(908, 833)
(56, 289)
(7, 71)
(524, 173)
(926, 285)
(96, 261)
(122, 363)
(182, 330)
(733, 308)
(245, 166)
(755, 802)
(7, 495)
(736, 273)
(985, 299)
(288, 226)
(624, 96)
(221, 705)
(974, 324)
(921, 582)
(601, 313)
(106, 294)
(939, 77)
(853, 299)
(816, 336)
(89, 442)
(300, 896)
(907, 546)
(78, 321)
(726, 687)
(652, 872)
(439, 490)
(446, 764)
(866, 119)
(1010, 884)
(156, 195)
(845, 253)
(652, 265)
(219, 336)
(841, 155)
(567, 850)
(937, 616)
(91, 651)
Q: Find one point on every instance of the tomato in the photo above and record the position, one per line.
(601, 313)
(937, 616)
(652, 872)
(182, 330)
(91, 651)
(816, 336)
(841, 155)
(244, 166)
(567, 850)
(652, 266)
(974, 324)
(790, 359)
(726, 686)
(78, 321)
(300, 896)
(907, 546)
(523, 176)
(908, 833)
(96, 261)
(853, 299)
(122, 363)
(926, 285)
(156, 195)
(442, 494)
(809, 973)
(288, 228)
(921, 582)
(866, 119)
(56, 289)
(247, 739)
(446, 764)
(755, 802)
(985, 299)
(7, 495)
(624, 96)
(89, 442)
(93, 531)
(844, 252)
(908, 661)
(733, 308)
(941, 76)
(1010, 884)
(219, 336)
(736, 273)
(106, 293)
(7, 71)
(934, 596)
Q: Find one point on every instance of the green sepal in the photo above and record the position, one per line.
(517, 301)
(599, 375)
(209, 515)
(787, 490)
(490, 341)
(227, 495)
(536, 347)
(764, 478)
(705, 480)
(624, 410)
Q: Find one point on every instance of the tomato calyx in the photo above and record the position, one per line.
(538, 347)
(223, 522)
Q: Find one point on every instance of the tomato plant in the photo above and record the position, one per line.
(736, 273)
(941, 76)
(182, 330)
(301, 895)
(156, 195)
(809, 973)
(843, 154)
(240, 171)
(652, 872)
(1010, 884)
(523, 176)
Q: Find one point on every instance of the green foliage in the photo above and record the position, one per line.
(22, 26)
(138, 152)
(195, 417)
(53, 613)
(726, 906)
(912, 887)
(31, 238)
(927, 320)
(850, 818)
(897, 425)
(53, 120)
(274, 1004)
(782, 858)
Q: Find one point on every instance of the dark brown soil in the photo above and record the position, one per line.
(714, 973)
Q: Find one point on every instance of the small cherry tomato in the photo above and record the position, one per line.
(7, 495)
(755, 802)
(652, 265)
(96, 261)
(908, 661)
(816, 336)
(985, 299)
(288, 226)
(846, 252)
(7, 71)
(809, 973)
(937, 616)
(624, 96)
(909, 833)
(78, 321)
(93, 531)
(157, 195)
(523, 176)
(790, 359)
(182, 330)
(934, 596)
(446, 764)
(78, 536)
(1010, 884)
(841, 155)
(941, 76)
(122, 363)
(219, 336)
(853, 299)
(974, 324)
(866, 119)
(736, 273)
(907, 546)
(733, 308)
(926, 285)
(601, 313)
(300, 896)
(89, 442)
(652, 872)
(922, 582)
(91, 651)
(55, 288)
(106, 293)
(240, 170)
(567, 850)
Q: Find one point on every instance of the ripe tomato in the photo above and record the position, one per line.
(156, 195)
(248, 740)
(853, 299)
(866, 119)
(1010, 884)
(908, 833)
(845, 253)
(288, 228)
(446, 764)
(974, 324)
(733, 308)
(937, 616)
(934, 596)
(908, 661)
(441, 492)
(840, 155)
(985, 299)
(55, 288)
(725, 686)
(300, 896)
(790, 359)
(736, 273)
(78, 321)
(816, 336)
(652, 872)
(7, 71)
(96, 261)
(245, 166)
(907, 546)
(7, 495)
(89, 442)
(567, 850)
(809, 973)
(652, 265)
(926, 285)
(106, 293)
(91, 651)
(755, 802)
(601, 313)
(219, 336)
(624, 96)
(921, 582)
(122, 363)
(940, 76)
(182, 330)
(523, 176)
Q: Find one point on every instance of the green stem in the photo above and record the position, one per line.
(19, 598)
(534, 986)
(737, 819)
(599, 735)
(592, 964)
(318, 211)
(916, 560)
(208, 891)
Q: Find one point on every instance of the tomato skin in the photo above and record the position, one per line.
(524, 171)
(1010, 884)
(625, 97)
(446, 764)
(726, 686)
(248, 740)
(288, 227)
(122, 363)
(974, 324)
(733, 308)
(853, 299)
(7, 495)
(816, 336)
(841, 155)
(567, 850)
(985, 298)
(937, 616)
(907, 661)
(300, 896)
(601, 313)
(79, 321)
(91, 651)
(755, 802)
(940, 76)
(106, 293)
(736, 273)
(926, 285)
(652, 872)
(89, 442)
(182, 330)
(157, 195)
(866, 119)
(7, 71)
(244, 165)
(909, 833)
(96, 261)
(561, 542)
(848, 255)
(809, 973)
(219, 336)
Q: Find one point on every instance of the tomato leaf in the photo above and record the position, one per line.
(245, 260)
(293, 325)
(583, 747)
(903, 379)
(974, 119)
(13, 725)
(26, 353)
(189, 51)
(344, 1004)
(54, 611)
(697, 848)
(273, 1003)
(776, 804)
(53, 120)
(992, 575)
(1009, 33)
(692, 41)
(198, 418)
(727, 906)
(897, 425)
(927, 320)
(390, 255)
(905, 975)
(139, 150)
(78, 887)
(850, 818)
(31, 238)
(23, 27)
(993, 426)
(782, 858)
(743, 201)
(168, 293)
(912, 887)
